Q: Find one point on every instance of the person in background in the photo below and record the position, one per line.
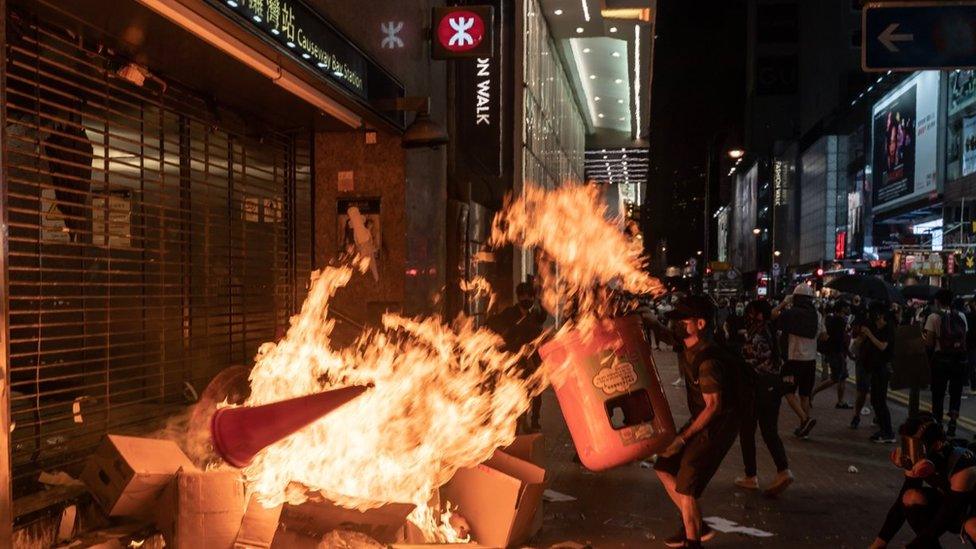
(519, 325)
(909, 360)
(945, 335)
(798, 318)
(939, 487)
(876, 348)
(971, 344)
(765, 394)
(835, 351)
(688, 464)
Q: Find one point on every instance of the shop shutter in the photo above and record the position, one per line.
(155, 239)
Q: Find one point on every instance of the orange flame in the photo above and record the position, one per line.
(444, 395)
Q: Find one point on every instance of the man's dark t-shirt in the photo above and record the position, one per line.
(836, 327)
(705, 378)
(874, 357)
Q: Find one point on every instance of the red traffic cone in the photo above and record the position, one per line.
(238, 434)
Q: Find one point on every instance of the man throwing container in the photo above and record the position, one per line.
(710, 376)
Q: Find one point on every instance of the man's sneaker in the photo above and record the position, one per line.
(748, 483)
(882, 438)
(806, 427)
(780, 483)
(843, 406)
(677, 539)
(855, 422)
(866, 411)
(951, 428)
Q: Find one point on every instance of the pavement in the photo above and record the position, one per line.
(843, 489)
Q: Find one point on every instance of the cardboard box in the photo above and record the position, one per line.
(383, 524)
(531, 448)
(259, 525)
(441, 546)
(202, 509)
(499, 499)
(127, 474)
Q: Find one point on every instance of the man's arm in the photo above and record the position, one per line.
(713, 404)
(778, 310)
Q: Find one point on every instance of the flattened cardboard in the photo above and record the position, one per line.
(383, 524)
(202, 509)
(126, 474)
(441, 545)
(259, 525)
(499, 499)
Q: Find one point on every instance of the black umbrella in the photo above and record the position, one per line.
(866, 286)
(920, 291)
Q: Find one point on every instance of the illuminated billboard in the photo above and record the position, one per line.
(904, 142)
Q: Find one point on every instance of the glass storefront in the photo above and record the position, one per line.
(554, 133)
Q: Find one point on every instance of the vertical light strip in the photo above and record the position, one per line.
(584, 82)
(586, 11)
(637, 81)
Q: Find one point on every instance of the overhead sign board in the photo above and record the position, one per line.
(909, 36)
(300, 32)
(461, 32)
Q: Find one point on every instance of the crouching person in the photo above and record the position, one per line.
(938, 492)
(690, 462)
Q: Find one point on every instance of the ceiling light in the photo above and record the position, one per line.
(620, 101)
(558, 12)
(597, 98)
(600, 115)
(615, 54)
(621, 119)
(604, 156)
(613, 29)
(624, 156)
(617, 81)
(586, 50)
(579, 30)
(592, 77)
(586, 10)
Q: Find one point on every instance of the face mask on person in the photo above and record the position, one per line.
(739, 310)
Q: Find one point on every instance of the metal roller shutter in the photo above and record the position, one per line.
(155, 239)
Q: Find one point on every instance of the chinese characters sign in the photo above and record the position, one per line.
(463, 31)
(300, 31)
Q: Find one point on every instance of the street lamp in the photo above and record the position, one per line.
(756, 231)
(736, 154)
(699, 252)
(777, 253)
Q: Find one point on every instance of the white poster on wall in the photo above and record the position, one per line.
(968, 145)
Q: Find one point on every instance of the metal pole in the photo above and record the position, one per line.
(6, 473)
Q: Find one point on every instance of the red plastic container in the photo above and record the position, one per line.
(610, 393)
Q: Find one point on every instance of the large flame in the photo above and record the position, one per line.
(583, 252)
(444, 395)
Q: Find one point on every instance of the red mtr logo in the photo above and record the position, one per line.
(462, 32)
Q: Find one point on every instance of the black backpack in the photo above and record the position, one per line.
(952, 332)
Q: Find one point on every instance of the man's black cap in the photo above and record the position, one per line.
(693, 306)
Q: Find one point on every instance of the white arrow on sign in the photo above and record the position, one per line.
(888, 37)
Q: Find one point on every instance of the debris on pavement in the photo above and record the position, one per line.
(553, 496)
(852, 469)
(648, 463)
(727, 526)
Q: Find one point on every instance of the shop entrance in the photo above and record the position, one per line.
(155, 238)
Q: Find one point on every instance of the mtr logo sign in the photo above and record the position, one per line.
(460, 32)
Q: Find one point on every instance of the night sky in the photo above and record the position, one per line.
(699, 88)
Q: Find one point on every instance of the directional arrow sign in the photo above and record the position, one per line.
(908, 36)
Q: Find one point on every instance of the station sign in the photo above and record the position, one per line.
(910, 36)
(462, 32)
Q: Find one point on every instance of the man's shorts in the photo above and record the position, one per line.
(799, 376)
(694, 466)
(837, 362)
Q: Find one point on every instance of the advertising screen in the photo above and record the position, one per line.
(905, 142)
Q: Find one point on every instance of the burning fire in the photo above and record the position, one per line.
(444, 396)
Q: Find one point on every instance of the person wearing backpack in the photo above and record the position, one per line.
(712, 388)
(763, 398)
(798, 319)
(945, 335)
